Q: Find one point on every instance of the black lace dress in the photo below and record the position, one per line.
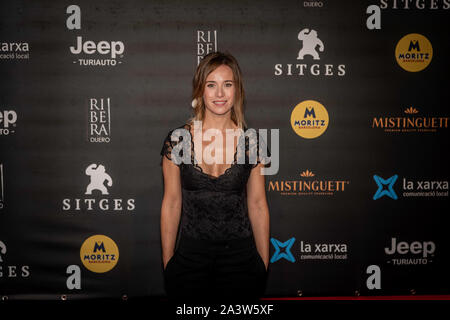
(215, 208)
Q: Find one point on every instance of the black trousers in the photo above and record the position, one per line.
(215, 271)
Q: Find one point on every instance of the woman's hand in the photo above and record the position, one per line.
(166, 261)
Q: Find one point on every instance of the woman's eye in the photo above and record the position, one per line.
(229, 84)
(210, 85)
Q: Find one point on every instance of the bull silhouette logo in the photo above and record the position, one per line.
(310, 42)
(2, 250)
(98, 177)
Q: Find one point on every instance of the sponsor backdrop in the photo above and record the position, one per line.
(358, 91)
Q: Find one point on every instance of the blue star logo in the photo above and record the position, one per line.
(286, 254)
(385, 187)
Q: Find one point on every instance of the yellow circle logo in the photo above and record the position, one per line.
(309, 119)
(413, 52)
(99, 253)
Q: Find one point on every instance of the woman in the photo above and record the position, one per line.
(219, 207)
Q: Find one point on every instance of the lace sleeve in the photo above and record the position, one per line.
(167, 147)
(263, 153)
(178, 141)
(256, 149)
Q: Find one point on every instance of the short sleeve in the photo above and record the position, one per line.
(167, 147)
(263, 153)
(257, 150)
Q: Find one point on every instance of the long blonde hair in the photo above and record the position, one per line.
(207, 65)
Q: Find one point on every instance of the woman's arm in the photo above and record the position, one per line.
(170, 208)
(258, 211)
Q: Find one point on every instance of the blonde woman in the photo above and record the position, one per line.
(218, 208)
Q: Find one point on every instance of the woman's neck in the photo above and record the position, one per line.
(221, 122)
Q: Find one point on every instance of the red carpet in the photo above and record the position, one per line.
(409, 297)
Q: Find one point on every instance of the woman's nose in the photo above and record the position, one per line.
(220, 91)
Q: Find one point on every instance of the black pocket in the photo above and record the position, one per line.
(261, 263)
(169, 263)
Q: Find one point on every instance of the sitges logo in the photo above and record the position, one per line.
(374, 20)
(2, 250)
(88, 52)
(309, 60)
(99, 120)
(410, 253)
(415, 4)
(99, 182)
(8, 119)
(11, 271)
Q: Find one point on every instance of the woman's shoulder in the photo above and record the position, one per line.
(185, 126)
(173, 138)
(178, 134)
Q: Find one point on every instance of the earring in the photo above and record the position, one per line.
(194, 103)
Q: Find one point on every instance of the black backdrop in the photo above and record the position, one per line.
(113, 104)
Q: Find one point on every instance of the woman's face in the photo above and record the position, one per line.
(219, 90)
